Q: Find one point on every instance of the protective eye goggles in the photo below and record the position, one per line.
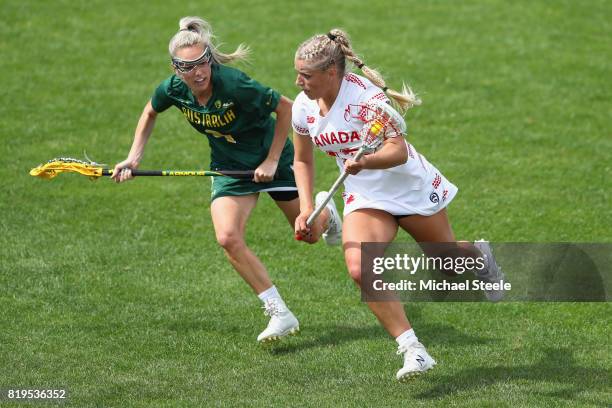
(186, 66)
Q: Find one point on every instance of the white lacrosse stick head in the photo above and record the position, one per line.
(380, 122)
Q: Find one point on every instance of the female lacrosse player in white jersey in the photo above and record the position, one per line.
(393, 187)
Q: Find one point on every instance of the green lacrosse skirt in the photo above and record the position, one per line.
(227, 186)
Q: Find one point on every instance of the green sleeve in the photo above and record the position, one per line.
(254, 97)
(160, 99)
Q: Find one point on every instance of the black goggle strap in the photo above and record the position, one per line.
(187, 65)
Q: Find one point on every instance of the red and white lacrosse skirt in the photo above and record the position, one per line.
(415, 187)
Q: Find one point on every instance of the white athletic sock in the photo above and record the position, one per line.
(408, 337)
(271, 293)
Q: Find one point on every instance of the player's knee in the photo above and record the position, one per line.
(354, 270)
(230, 240)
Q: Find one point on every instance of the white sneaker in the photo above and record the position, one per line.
(491, 273)
(333, 235)
(282, 322)
(416, 361)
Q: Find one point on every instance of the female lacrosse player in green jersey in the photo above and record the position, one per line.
(234, 112)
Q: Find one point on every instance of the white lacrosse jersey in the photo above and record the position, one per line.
(415, 187)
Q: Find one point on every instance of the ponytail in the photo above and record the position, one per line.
(196, 31)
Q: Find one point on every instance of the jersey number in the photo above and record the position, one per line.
(218, 135)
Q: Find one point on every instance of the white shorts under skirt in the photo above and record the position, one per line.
(435, 194)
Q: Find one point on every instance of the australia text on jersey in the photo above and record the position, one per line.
(209, 119)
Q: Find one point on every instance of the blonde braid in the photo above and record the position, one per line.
(323, 50)
(316, 50)
(405, 99)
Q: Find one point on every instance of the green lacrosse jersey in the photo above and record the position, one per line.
(236, 119)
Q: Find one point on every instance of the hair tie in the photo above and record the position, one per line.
(360, 65)
(385, 89)
(331, 36)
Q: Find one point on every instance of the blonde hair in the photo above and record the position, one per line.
(322, 51)
(196, 31)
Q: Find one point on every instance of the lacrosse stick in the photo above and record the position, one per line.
(95, 170)
(381, 122)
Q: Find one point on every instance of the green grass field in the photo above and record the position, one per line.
(120, 293)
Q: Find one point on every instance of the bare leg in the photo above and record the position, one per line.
(369, 225)
(436, 229)
(230, 215)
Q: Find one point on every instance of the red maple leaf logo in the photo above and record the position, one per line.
(348, 198)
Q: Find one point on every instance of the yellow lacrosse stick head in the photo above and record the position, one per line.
(56, 166)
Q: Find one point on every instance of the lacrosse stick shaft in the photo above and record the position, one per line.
(94, 170)
(333, 190)
(246, 174)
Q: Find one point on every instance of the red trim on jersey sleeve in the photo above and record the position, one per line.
(354, 79)
(299, 129)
